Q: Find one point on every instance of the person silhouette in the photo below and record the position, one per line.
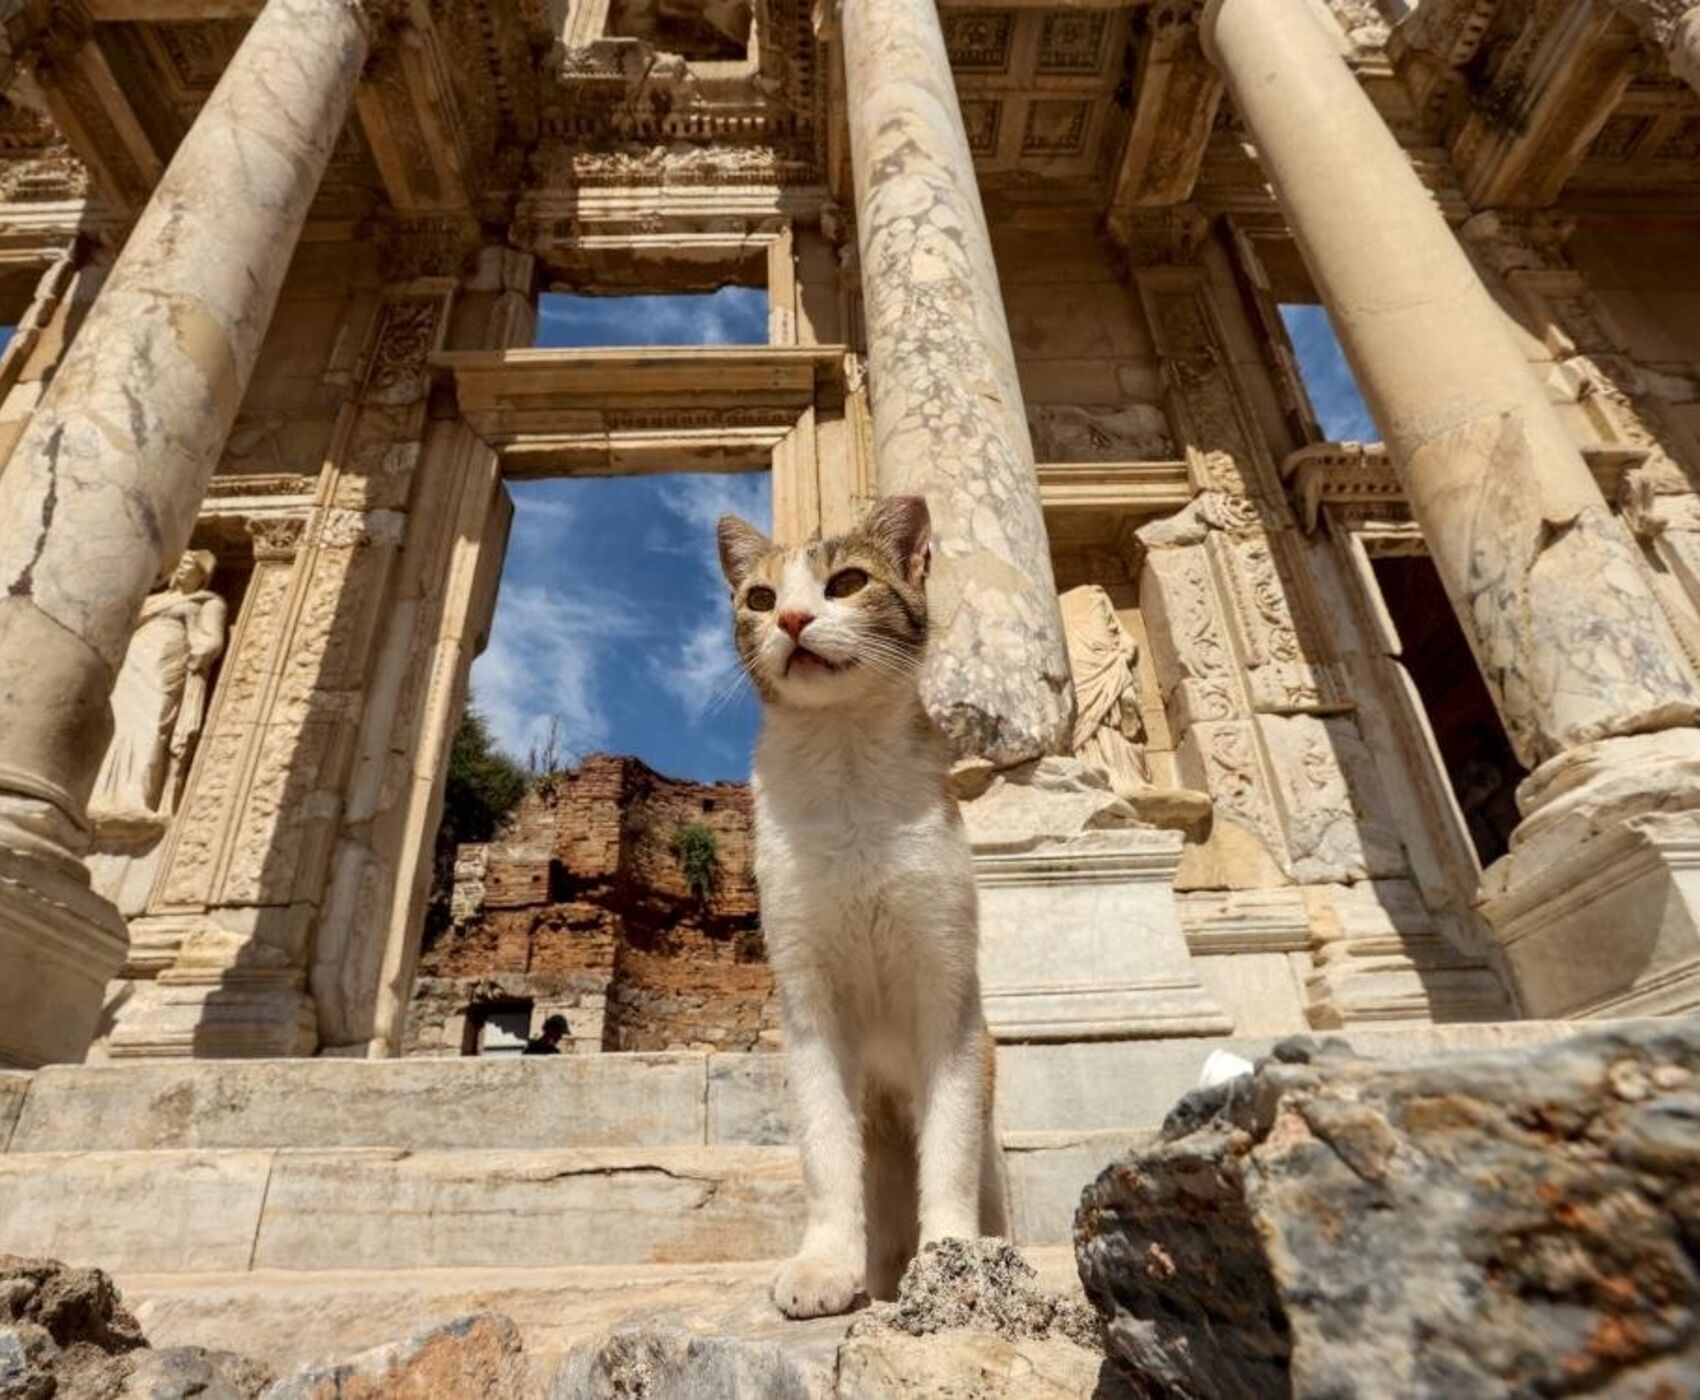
(555, 1030)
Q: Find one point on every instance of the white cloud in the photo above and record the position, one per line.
(700, 501)
(545, 659)
(702, 673)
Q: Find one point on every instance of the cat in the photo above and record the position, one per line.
(868, 906)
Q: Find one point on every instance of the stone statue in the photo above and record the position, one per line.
(160, 700)
(1108, 730)
(1109, 733)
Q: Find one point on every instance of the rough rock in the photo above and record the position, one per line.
(65, 1334)
(969, 1322)
(1525, 1222)
(480, 1356)
(983, 1286)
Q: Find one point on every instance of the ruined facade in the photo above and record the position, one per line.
(1258, 732)
(620, 899)
(1402, 732)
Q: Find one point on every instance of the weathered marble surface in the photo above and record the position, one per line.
(949, 421)
(1568, 633)
(1519, 1223)
(104, 484)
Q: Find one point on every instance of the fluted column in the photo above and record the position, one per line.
(949, 422)
(1547, 584)
(103, 487)
(1674, 25)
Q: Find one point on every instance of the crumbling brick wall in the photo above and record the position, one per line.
(583, 906)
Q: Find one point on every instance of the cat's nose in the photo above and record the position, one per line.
(792, 623)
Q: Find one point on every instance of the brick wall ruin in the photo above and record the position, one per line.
(584, 906)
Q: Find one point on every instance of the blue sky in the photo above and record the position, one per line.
(1340, 408)
(612, 612)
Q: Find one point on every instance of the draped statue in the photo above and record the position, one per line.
(160, 699)
(1109, 731)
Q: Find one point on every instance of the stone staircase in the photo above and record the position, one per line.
(297, 1209)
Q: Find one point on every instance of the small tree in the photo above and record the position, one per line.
(481, 787)
(483, 784)
(694, 845)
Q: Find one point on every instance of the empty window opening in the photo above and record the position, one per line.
(612, 632)
(700, 30)
(728, 316)
(1479, 762)
(1335, 399)
(497, 1028)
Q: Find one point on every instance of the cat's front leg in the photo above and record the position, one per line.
(826, 1274)
(953, 1123)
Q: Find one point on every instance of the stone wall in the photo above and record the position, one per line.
(584, 907)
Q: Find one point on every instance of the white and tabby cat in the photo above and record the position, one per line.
(868, 905)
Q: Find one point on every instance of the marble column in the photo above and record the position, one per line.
(1547, 584)
(1592, 913)
(949, 422)
(1674, 26)
(103, 487)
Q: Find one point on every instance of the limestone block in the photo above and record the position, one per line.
(394, 1209)
(1081, 939)
(1046, 1170)
(600, 1101)
(746, 1100)
(1513, 1223)
(1262, 992)
(13, 1089)
(161, 1211)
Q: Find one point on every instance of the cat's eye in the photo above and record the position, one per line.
(760, 600)
(845, 582)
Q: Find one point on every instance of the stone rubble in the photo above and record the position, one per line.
(65, 1334)
(1526, 1222)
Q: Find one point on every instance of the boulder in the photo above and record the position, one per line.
(479, 1356)
(1524, 1222)
(65, 1334)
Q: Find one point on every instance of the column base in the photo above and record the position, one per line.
(226, 984)
(211, 1020)
(1080, 935)
(60, 943)
(1597, 906)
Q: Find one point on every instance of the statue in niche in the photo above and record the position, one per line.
(1109, 733)
(159, 702)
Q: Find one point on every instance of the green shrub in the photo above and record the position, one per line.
(694, 845)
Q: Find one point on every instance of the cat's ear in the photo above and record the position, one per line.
(742, 547)
(904, 529)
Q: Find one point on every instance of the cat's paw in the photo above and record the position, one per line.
(809, 1287)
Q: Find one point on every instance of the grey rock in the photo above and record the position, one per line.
(27, 1354)
(1525, 1222)
(663, 1362)
(190, 1373)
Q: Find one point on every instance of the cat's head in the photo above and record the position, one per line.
(832, 621)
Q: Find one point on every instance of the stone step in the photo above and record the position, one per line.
(233, 1210)
(289, 1318)
(596, 1101)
